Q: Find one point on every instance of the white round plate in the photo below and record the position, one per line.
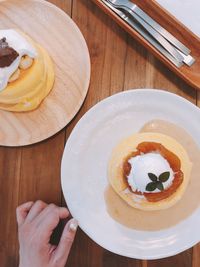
(84, 171)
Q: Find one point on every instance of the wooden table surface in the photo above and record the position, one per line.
(30, 173)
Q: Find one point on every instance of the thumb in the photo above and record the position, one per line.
(66, 241)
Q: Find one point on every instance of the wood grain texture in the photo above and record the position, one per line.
(196, 256)
(72, 70)
(183, 260)
(10, 161)
(42, 181)
(189, 74)
(118, 63)
(22, 177)
(65, 5)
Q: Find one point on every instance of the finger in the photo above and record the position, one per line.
(52, 248)
(50, 212)
(62, 251)
(22, 211)
(49, 218)
(35, 210)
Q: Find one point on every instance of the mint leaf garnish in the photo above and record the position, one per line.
(164, 177)
(151, 186)
(153, 177)
(160, 186)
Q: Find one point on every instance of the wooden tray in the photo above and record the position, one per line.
(55, 30)
(190, 74)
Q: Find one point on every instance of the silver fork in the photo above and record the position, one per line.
(178, 55)
(167, 35)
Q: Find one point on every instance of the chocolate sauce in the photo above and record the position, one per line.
(7, 54)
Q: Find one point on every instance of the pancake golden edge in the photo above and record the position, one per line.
(128, 145)
(33, 85)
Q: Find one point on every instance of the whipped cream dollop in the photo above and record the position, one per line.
(143, 164)
(19, 44)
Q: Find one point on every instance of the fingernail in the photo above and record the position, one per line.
(73, 225)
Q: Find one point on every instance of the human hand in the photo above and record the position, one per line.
(36, 222)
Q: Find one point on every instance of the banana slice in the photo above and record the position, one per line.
(25, 63)
(15, 76)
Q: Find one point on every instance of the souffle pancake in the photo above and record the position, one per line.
(150, 171)
(26, 72)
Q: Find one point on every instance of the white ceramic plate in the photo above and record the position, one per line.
(84, 171)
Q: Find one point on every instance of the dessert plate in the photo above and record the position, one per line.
(84, 171)
(54, 30)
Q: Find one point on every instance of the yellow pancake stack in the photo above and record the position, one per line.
(125, 148)
(33, 85)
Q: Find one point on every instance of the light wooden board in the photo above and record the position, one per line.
(55, 30)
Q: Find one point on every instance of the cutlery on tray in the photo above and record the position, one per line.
(152, 31)
(160, 32)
